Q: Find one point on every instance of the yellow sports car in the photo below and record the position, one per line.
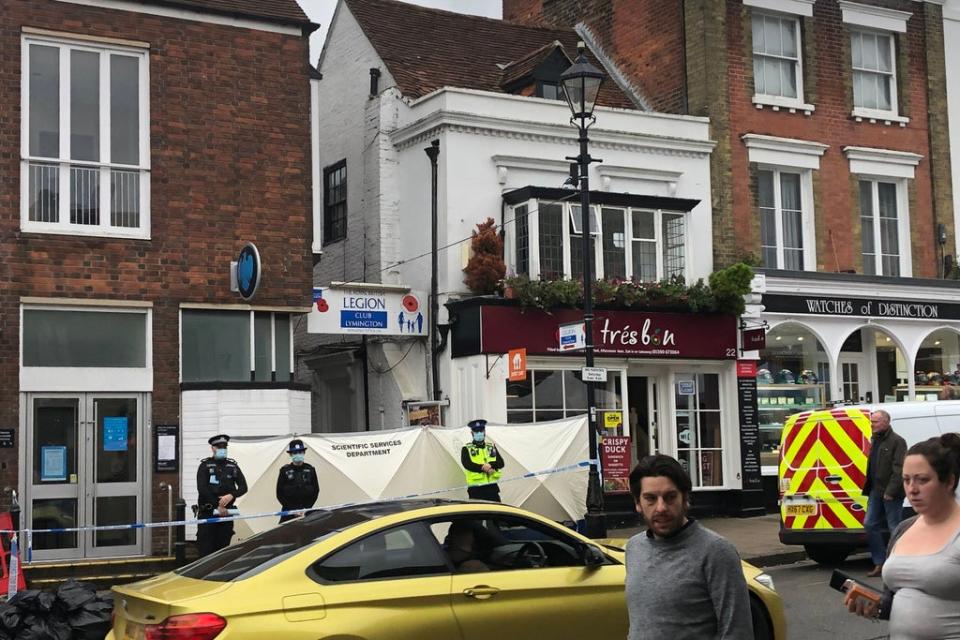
(402, 570)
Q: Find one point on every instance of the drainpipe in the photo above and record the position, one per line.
(433, 152)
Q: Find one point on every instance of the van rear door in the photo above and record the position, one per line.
(823, 462)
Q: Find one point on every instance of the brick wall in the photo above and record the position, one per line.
(230, 154)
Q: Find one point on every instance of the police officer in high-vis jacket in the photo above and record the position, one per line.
(219, 483)
(482, 463)
(297, 484)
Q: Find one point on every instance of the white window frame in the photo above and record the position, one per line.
(806, 214)
(103, 49)
(884, 165)
(879, 114)
(781, 102)
(878, 21)
(903, 224)
(795, 156)
(562, 366)
(533, 232)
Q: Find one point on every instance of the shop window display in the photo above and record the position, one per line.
(699, 436)
(553, 394)
(937, 374)
(791, 377)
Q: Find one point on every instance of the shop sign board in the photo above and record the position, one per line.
(686, 387)
(572, 336)
(615, 333)
(749, 425)
(366, 310)
(842, 306)
(612, 419)
(593, 374)
(517, 365)
(754, 339)
(615, 458)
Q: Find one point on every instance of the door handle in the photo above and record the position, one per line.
(832, 479)
(481, 592)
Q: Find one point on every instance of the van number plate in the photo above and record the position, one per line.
(801, 509)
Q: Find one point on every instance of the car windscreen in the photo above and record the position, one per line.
(264, 550)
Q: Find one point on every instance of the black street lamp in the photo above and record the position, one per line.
(581, 84)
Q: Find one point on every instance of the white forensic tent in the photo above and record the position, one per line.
(375, 465)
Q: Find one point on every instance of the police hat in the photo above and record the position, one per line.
(219, 440)
(477, 425)
(296, 446)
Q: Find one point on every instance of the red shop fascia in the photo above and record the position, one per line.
(485, 325)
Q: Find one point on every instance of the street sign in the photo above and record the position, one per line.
(517, 365)
(593, 374)
(367, 309)
(573, 336)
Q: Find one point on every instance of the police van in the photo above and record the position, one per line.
(823, 463)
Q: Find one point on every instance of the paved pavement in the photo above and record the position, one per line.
(757, 539)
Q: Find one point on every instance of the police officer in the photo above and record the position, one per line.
(219, 483)
(297, 484)
(481, 464)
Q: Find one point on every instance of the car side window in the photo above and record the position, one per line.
(400, 552)
(487, 542)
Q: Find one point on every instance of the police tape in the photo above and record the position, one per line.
(29, 533)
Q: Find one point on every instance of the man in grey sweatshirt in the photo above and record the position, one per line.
(684, 582)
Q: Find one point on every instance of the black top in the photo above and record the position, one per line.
(217, 478)
(297, 486)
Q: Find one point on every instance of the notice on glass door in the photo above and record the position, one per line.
(115, 433)
(53, 464)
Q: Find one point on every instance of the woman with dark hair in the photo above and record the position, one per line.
(921, 577)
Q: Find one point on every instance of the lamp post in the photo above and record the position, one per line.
(581, 84)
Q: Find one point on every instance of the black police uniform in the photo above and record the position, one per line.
(297, 488)
(216, 478)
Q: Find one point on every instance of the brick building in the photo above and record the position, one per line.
(831, 170)
(155, 140)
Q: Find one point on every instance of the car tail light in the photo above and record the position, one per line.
(191, 626)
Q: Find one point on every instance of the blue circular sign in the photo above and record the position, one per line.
(248, 270)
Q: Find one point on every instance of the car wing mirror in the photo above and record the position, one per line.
(592, 557)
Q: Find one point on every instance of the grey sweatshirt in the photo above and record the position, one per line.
(687, 587)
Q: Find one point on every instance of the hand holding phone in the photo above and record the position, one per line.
(859, 599)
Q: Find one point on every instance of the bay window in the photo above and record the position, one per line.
(85, 138)
(625, 242)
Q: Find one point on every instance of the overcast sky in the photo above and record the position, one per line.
(321, 11)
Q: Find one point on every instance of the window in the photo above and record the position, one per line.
(501, 543)
(335, 202)
(874, 71)
(699, 436)
(84, 338)
(549, 90)
(625, 243)
(555, 394)
(215, 346)
(85, 150)
(776, 57)
(781, 219)
(402, 552)
(879, 228)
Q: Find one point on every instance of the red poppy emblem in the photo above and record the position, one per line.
(322, 306)
(410, 303)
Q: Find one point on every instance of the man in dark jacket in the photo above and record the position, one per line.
(297, 484)
(219, 483)
(883, 486)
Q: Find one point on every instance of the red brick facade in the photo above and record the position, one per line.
(230, 163)
(696, 57)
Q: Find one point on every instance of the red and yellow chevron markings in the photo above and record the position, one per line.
(823, 457)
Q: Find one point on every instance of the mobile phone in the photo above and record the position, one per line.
(844, 583)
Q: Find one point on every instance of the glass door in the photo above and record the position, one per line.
(86, 468)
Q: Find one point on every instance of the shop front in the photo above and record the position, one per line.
(843, 339)
(671, 386)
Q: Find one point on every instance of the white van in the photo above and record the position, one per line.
(822, 506)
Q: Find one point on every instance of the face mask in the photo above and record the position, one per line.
(220, 454)
(478, 436)
(297, 457)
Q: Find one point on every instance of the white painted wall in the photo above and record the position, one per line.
(236, 412)
(951, 40)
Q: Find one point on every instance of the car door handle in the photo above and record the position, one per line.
(832, 479)
(481, 592)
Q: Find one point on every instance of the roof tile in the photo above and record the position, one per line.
(426, 49)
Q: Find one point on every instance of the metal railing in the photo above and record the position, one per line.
(85, 184)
